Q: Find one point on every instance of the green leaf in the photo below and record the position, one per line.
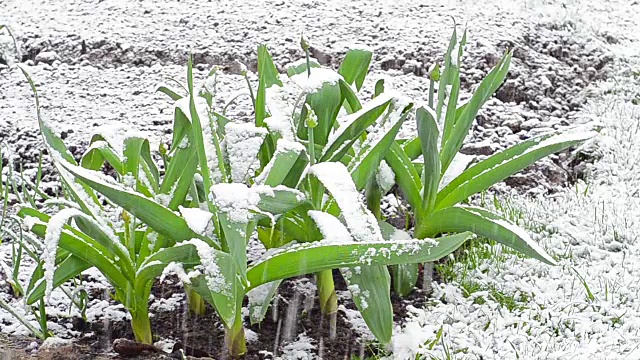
(300, 67)
(428, 134)
(405, 276)
(353, 126)
(445, 77)
(487, 224)
(172, 94)
(259, 300)
(352, 103)
(286, 166)
(86, 250)
(406, 176)
(413, 148)
(266, 68)
(300, 259)
(370, 288)
(375, 148)
(156, 216)
(99, 151)
(325, 102)
(196, 132)
(50, 137)
(355, 66)
(501, 165)
(487, 87)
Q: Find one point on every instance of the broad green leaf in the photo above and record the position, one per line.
(71, 267)
(325, 100)
(352, 103)
(98, 152)
(353, 126)
(406, 176)
(86, 250)
(370, 287)
(279, 199)
(375, 148)
(300, 259)
(412, 148)
(487, 87)
(266, 68)
(405, 276)
(355, 66)
(500, 166)
(487, 224)
(428, 134)
(156, 216)
(286, 166)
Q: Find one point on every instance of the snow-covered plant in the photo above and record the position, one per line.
(330, 146)
(197, 218)
(435, 185)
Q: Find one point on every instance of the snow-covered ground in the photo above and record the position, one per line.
(97, 64)
(593, 228)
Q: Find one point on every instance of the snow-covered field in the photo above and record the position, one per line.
(97, 65)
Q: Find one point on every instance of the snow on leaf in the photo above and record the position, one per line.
(319, 77)
(360, 221)
(235, 200)
(198, 220)
(330, 227)
(214, 276)
(243, 142)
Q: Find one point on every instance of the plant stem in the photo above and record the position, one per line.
(234, 337)
(253, 98)
(196, 302)
(43, 320)
(141, 325)
(328, 298)
(431, 90)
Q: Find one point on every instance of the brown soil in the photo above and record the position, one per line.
(205, 333)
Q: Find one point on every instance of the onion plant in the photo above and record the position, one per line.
(437, 185)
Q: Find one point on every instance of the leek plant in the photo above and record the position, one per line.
(292, 178)
(317, 121)
(437, 185)
(195, 219)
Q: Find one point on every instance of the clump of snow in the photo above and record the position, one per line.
(301, 349)
(360, 221)
(215, 278)
(281, 111)
(53, 342)
(330, 227)
(319, 77)
(385, 177)
(235, 200)
(243, 142)
(198, 220)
